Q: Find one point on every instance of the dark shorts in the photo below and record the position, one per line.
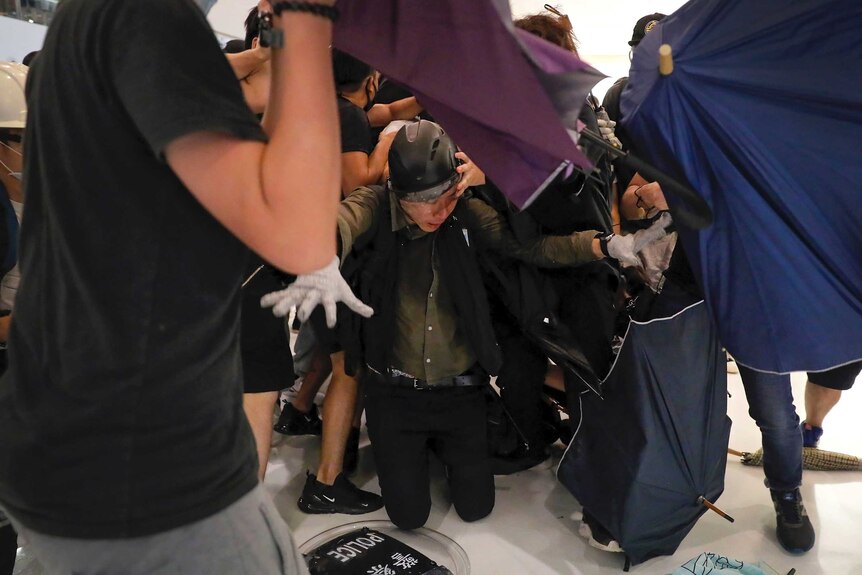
(267, 362)
(840, 378)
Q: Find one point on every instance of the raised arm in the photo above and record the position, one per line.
(279, 198)
(405, 109)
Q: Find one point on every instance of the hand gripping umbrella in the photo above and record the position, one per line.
(760, 111)
(505, 96)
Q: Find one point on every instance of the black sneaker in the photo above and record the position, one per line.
(351, 452)
(294, 422)
(524, 457)
(340, 497)
(794, 529)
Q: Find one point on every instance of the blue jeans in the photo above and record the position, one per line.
(770, 404)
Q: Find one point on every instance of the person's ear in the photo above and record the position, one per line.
(255, 42)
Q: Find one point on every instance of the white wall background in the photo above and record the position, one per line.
(603, 28)
(19, 38)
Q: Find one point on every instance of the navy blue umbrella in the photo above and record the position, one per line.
(762, 115)
(650, 454)
(506, 96)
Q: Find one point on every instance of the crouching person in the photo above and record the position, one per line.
(430, 345)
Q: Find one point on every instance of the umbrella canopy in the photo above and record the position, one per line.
(762, 115)
(656, 442)
(504, 95)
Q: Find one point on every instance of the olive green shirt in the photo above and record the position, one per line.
(429, 342)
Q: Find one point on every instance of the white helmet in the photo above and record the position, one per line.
(13, 105)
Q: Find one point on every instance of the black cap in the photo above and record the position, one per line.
(422, 163)
(643, 26)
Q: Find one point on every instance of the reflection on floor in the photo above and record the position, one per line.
(531, 530)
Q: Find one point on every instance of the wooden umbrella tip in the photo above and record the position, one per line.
(665, 60)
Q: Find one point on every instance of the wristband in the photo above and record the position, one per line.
(603, 243)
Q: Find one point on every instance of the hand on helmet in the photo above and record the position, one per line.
(471, 175)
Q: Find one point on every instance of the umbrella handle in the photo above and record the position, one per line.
(695, 213)
(706, 503)
(665, 60)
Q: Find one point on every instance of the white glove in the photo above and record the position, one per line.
(606, 129)
(325, 286)
(624, 249)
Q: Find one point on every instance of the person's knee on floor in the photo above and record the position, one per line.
(409, 516)
(476, 508)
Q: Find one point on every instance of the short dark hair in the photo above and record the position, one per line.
(234, 46)
(349, 72)
(252, 27)
(29, 57)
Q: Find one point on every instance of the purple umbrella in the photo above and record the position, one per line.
(506, 96)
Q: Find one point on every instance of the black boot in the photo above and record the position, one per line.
(794, 529)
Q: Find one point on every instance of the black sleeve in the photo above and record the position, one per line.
(170, 75)
(355, 130)
(611, 102)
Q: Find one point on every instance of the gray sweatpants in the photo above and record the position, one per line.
(247, 538)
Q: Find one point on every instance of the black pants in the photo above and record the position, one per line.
(404, 424)
(8, 537)
(8, 549)
(521, 380)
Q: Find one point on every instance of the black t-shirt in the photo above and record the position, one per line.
(355, 128)
(121, 411)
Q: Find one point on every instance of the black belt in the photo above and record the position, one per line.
(464, 380)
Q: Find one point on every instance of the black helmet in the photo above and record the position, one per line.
(422, 162)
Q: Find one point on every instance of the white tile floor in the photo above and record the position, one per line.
(530, 530)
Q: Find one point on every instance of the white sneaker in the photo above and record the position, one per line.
(605, 544)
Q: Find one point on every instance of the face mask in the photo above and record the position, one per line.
(16, 175)
(369, 97)
(206, 5)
